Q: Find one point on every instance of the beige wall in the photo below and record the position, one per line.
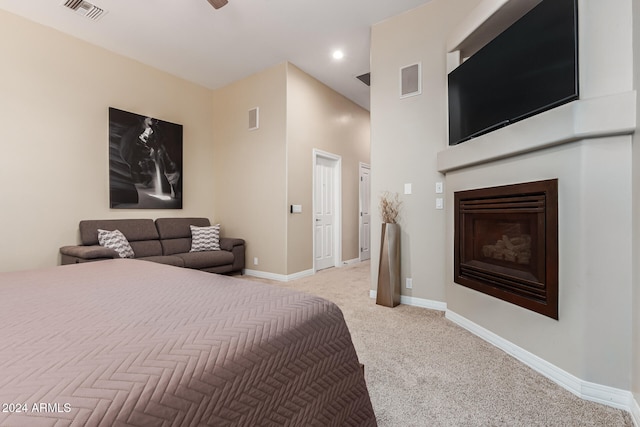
(264, 171)
(593, 338)
(55, 94)
(54, 109)
(320, 118)
(250, 195)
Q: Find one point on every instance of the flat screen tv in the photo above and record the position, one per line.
(529, 68)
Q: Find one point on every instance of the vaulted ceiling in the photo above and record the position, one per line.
(214, 47)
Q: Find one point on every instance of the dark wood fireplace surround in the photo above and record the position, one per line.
(506, 243)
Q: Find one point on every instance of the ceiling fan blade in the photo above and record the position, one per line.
(217, 4)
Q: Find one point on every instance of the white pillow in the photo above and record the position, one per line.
(205, 238)
(115, 240)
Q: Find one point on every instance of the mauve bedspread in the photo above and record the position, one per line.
(128, 342)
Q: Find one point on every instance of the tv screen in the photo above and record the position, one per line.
(530, 67)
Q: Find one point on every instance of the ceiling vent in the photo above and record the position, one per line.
(84, 8)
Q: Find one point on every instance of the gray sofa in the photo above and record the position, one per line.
(165, 240)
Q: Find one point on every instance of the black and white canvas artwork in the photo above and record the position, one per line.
(145, 162)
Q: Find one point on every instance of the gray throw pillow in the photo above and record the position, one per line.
(115, 240)
(205, 238)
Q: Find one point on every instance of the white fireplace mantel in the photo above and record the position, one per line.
(609, 115)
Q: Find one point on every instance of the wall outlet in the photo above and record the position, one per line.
(255, 260)
(409, 283)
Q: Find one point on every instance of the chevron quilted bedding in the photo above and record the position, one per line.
(126, 342)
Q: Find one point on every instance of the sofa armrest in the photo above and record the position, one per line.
(228, 243)
(89, 252)
(236, 247)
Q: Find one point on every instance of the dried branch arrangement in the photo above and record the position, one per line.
(389, 207)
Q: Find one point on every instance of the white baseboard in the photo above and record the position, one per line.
(610, 396)
(294, 276)
(278, 277)
(417, 302)
(635, 412)
(425, 303)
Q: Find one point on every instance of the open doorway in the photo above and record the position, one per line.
(365, 211)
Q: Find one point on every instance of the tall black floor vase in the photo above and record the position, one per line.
(389, 267)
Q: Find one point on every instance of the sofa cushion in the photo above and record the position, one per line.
(176, 246)
(88, 252)
(176, 228)
(206, 259)
(205, 238)
(115, 240)
(133, 229)
(176, 233)
(146, 248)
(163, 259)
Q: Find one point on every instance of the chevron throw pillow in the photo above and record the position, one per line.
(205, 238)
(115, 240)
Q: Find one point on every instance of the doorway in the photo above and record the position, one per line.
(365, 211)
(327, 196)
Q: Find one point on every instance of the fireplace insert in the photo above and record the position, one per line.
(506, 243)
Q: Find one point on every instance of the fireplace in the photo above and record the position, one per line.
(506, 243)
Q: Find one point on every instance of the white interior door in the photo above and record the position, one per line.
(324, 213)
(365, 212)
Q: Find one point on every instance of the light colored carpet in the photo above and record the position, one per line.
(423, 370)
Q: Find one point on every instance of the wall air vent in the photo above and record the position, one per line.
(84, 8)
(410, 80)
(365, 78)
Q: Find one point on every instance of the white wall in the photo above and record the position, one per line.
(406, 135)
(636, 214)
(592, 339)
(55, 92)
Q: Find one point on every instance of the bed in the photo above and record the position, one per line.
(130, 342)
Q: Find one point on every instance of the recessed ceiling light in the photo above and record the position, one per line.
(338, 54)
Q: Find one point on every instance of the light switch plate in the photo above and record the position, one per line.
(439, 188)
(407, 188)
(439, 203)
